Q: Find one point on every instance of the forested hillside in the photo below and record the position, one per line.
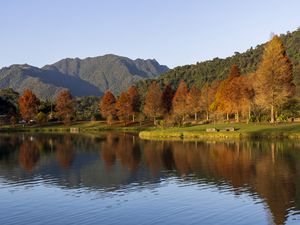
(218, 69)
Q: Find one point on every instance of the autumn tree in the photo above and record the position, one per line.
(64, 106)
(207, 97)
(107, 106)
(180, 109)
(274, 80)
(228, 94)
(193, 101)
(124, 107)
(135, 101)
(220, 105)
(28, 105)
(153, 105)
(246, 99)
(166, 99)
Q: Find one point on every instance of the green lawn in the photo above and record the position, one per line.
(288, 130)
(147, 131)
(82, 126)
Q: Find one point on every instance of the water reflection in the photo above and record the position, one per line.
(64, 151)
(269, 170)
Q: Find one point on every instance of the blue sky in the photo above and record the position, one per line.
(174, 32)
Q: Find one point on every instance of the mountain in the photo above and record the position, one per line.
(83, 77)
(217, 69)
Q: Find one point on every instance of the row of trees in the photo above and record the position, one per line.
(267, 89)
(29, 107)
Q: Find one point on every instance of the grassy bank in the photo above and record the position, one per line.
(242, 131)
(85, 126)
(147, 131)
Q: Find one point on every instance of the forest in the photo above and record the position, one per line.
(266, 94)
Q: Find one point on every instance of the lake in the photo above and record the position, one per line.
(116, 178)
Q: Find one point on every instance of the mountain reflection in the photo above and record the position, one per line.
(266, 169)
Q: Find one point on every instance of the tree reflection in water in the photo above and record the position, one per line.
(268, 169)
(65, 151)
(29, 155)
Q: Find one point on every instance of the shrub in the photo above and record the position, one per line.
(41, 117)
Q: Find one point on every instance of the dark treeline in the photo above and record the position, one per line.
(266, 94)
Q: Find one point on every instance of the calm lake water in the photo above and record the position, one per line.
(120, 179)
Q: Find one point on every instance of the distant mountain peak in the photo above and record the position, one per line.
(88, 76)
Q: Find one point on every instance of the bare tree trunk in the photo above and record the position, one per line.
(195, 116)
(227, 117)
(133, 118)
(249, 115)
(237, 117)
(272, 114)
(207, 115)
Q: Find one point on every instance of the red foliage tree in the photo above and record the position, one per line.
(135, 101)
(153, 105)
(28, 104)
(107, 106)
(124, 107)
(179, 102)
(64, 106)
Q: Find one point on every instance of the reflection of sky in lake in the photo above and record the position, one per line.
(171, 202)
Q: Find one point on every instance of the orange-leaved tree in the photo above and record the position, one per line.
(107, 106)
(64, 106)
(246, 98)
(153, 105)
(124, 107)
(134, 101)
(207, 97)
(180, 109)
(274, 80)
(227, 96)
(193, 101)
(28, 105)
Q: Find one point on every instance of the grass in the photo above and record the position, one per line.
(253, 130)
(76, 126)
(147, 131)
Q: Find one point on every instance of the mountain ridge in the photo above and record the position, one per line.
(83, 77)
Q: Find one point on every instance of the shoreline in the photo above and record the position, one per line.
(149, 132)
(191, 136)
